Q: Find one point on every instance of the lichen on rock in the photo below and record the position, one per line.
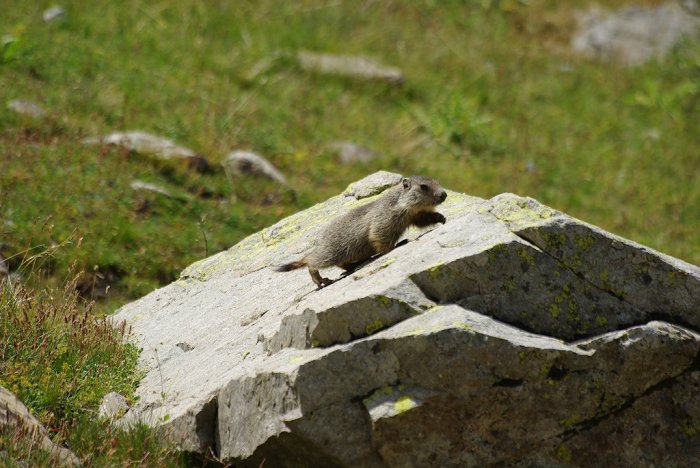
(513, 334)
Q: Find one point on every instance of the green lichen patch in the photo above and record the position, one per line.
(520, 213)
(383, 301)
(373, 327)
(463, 326)
(564, 453)
(524, 253)
(404, 404)
(434, 270)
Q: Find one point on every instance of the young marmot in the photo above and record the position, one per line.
(373, 228)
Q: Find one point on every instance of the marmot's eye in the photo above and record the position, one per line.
(424, 187)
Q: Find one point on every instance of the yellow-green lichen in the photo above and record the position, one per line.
(378, 394)
(691, 430)
(383, 301)
(416, 332)
(434, 308)
(574, 262)
(601, 320)
(521, 213)
(570, 422)
(296, 359)
(554, 240)
(373, 327)
(585, 242)
(315, 343)
(404, 404)
(527, 256)
(496, 251)
(603, 275)
(554, 310)
(564, 453)
(388, 262)
(463, 326)
(434, 270)
(245, 354)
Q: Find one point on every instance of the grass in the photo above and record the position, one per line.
(616, 147)
(493, 102)
(60, 360)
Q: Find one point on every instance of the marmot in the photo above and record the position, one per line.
(373, 228)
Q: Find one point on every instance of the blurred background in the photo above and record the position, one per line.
(591, 108)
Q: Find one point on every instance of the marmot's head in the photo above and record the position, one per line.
(420, 192)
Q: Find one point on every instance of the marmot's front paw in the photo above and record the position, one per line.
(440, 218)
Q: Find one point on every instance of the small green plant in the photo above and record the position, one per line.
(60, 359)
(458, 125)
(18, 448)
(57, 356)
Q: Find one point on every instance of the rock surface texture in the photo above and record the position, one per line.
(513, 334)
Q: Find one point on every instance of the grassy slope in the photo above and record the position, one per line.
(490, 92)
(493, 103)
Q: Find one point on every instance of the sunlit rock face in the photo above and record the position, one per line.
(513, 334)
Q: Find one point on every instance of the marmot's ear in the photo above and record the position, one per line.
(406, 182)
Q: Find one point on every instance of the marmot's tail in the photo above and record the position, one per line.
(291, 266)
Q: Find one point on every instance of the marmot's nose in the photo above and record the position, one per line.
(443, 195)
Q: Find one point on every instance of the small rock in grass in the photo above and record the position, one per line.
(55, 13)
(350, 66)
(148, 187)
(29, 108)
(246, 162)
(152, 145)
(633, 35)
(349, 153)
(113, 404)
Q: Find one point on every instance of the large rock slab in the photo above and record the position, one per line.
(511, 334)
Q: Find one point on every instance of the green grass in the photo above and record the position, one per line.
(60, 359)
(493, 102)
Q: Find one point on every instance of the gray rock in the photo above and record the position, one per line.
(148, 187)
(55, 13)
(113, 405)
(151, 145)
(350, 153)
(512, 334)
(348, 66)
(14, 416)
(633, 35)
(371, 185)
(246, 162)
(28, 108)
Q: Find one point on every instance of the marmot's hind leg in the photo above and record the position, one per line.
(318, 279)
(351, 267)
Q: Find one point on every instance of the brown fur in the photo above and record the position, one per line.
(373, 228)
